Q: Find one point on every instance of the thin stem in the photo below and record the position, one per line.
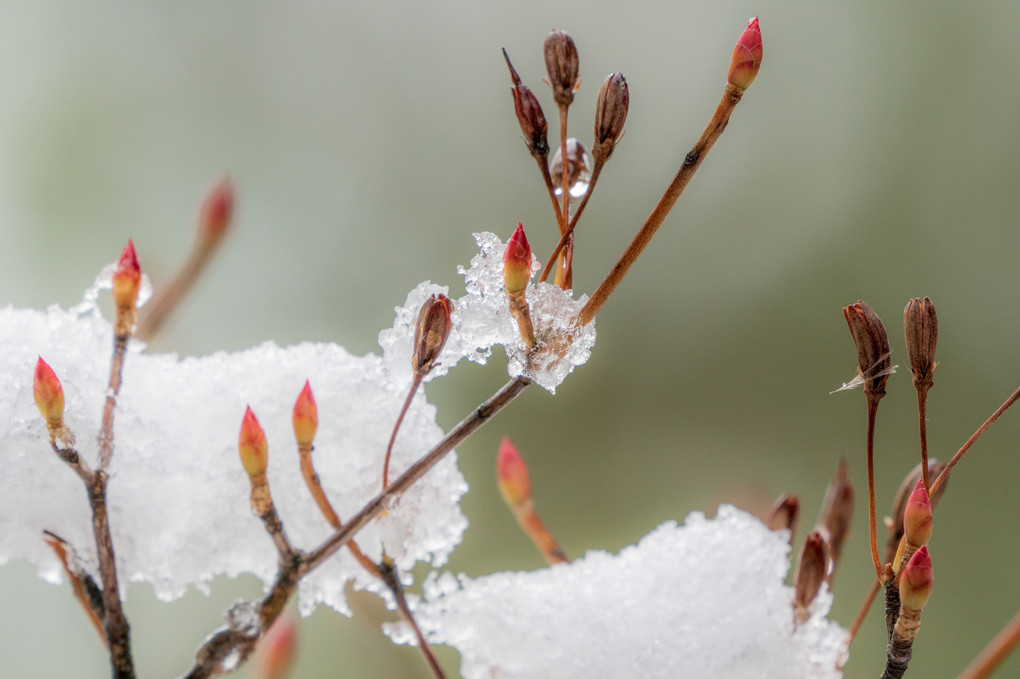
(391, 578)
(690, 165)
(393, 437)
(173, 293)
(120, 342)
(541, 537)
(872, 527)
(922, 425)
(562, 271)
(973, 438)
(993, 655)
(386, 572)
(462, 431)
(118, 631)
(566, 235)
(543, 166)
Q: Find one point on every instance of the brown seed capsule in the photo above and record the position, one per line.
(610, 115)
(921, 330)
(837, 511)
(430, 332)
(811, 572)
(872, 347)
(562, 65)
(784, 514)
(529, 115)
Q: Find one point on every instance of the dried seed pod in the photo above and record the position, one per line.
(610, 115)
(872, 347)
(812, 569)
(921, 331)
(430, 332)
(784, 514)
(562, 65)
(837, 512)
(529, 115)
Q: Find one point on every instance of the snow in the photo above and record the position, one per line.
(178, 497)
(703, 600)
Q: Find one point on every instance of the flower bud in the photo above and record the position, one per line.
(529, 115)
(517, 262)
(903, 494)
(306, 417)
(512, 476)
(430, 332)
(252, 445)
(216, 213)
(562, 65)
(917, 519)
(916, 581)
(921, 330)
(610, 115)
(127, 277)
(872, 347)
(746, 59)
(49, 394)
(811, 571)
(278, 650)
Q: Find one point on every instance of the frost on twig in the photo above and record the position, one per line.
(178, 497)
(705, 599)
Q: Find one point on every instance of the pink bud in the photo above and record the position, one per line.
(252, 445)
(49, 394)
(917, 518)
(127, 277)
(916, 581)
(517, 262)
(306, 417)
(512, 476)
(746, 59)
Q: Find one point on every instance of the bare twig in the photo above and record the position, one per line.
(691, 163)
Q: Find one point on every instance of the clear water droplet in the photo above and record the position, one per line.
(578, 169)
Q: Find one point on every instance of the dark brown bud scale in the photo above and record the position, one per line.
(921, 330)
(872, 347)
(784, 514)
(430, 333)
(811, 571)
(562, 65)
(837, 511)
(529, 115)
(610, 115)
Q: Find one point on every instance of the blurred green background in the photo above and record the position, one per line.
(874, 157)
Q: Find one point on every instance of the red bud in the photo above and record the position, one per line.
(252, 445)
(916, 581)
(917, 518)
(512, 476)
(746, 59)
(217, 212)
(49, 394)
(306, 417)
(517, 262)
(127, 277)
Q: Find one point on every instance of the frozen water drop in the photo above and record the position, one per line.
(578, 169)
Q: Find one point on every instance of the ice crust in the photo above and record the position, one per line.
(703, 600)
(178, 496)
